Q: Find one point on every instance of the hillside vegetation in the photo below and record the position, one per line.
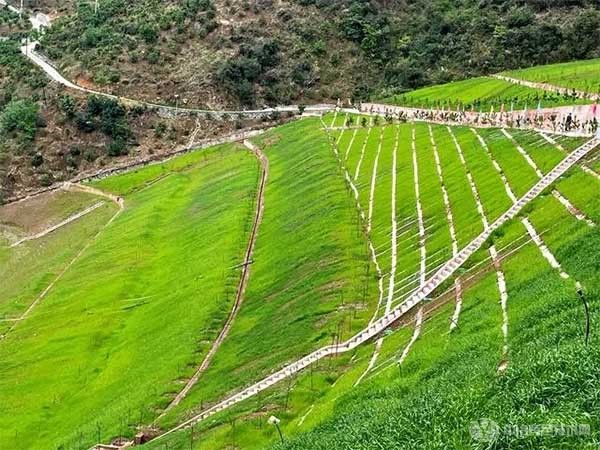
(580, 75)
(260, 51)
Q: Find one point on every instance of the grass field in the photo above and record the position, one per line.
(309, 273)
(481, 94)
(29, 267)
(580, 75)
(450, 380)
(132, 316)
(440, 366)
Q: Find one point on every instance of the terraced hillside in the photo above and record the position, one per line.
(99, 337)
(498, 341)
(485, 94)
(578, 75)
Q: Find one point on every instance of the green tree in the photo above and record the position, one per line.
(19, 119)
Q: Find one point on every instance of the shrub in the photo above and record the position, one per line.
(20, 118)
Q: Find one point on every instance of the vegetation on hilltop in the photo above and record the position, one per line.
(254, 52)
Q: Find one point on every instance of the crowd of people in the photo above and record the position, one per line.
(582, 121)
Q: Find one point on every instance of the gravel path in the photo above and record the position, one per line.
(239, 297)
(67, 221)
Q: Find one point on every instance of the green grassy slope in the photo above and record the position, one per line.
(133, 315)
(29, 267)
(309, 271)
(480, 94)
(450, 380)
(392, 407)
(580, 75)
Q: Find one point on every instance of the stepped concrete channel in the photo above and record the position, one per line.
(443, 274)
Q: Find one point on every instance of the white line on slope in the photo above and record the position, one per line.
(503, 303)
(530, 228)
(494, 256)
(67, 221)
(471, 181)
(362, 154)
(447, 206)
(415, 336)
(422, 248)
(393, 245)
(450, 219)
(543, 248)
(572, 209)
(350, 144)
(373, 329)
(303, 418)
(507, 187)
(343, 129)
(564, 201)
(371, 249)
(528, 225)
(373, 183)
(334, 117)
(585, 168)
(394, 225)
(523, 153)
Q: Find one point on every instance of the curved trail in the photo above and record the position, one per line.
(72, 187)
(239, 297)
(53, 73)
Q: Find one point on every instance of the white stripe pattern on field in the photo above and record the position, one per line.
(362, 154)
(414, 337)
(451, 228)
(585, 168)
(561, 198)
(373, 183)
(528, 225)
(393, 262)
(493, 254)
(375, 328)
(350, 144)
